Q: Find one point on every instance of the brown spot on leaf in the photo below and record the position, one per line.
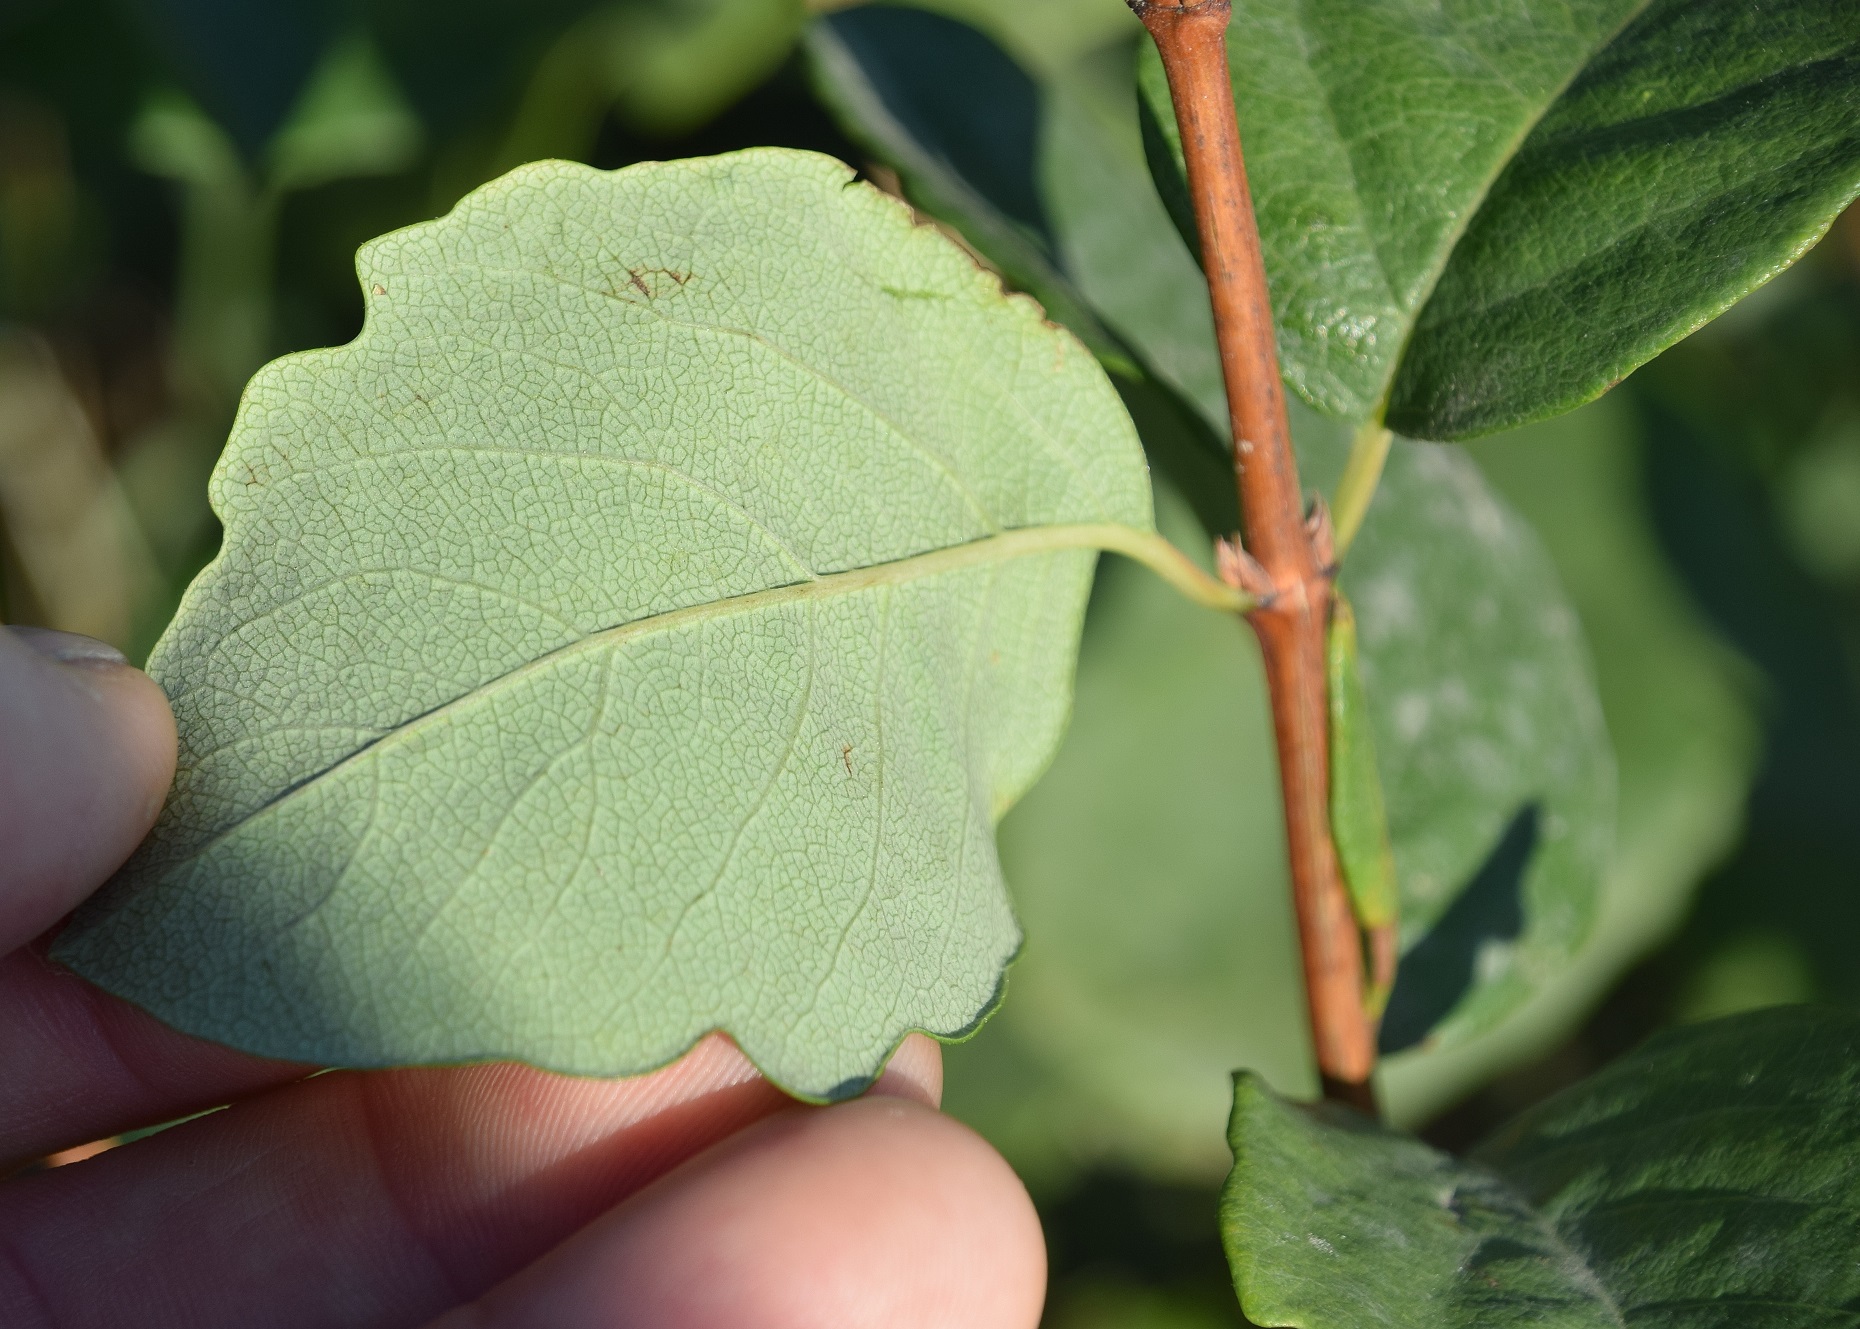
(655, 282)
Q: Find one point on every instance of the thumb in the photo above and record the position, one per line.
(87, 751)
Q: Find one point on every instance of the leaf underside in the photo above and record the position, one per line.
(635, 632)
(1488, 214)
(1708, 1180)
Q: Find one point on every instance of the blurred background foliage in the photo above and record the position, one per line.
(182, 187)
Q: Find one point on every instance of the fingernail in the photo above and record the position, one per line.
(69, 647)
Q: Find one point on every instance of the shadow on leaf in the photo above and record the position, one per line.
(1438, 971)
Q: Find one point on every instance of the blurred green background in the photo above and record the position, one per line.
(183, 184)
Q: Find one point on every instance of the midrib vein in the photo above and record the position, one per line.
(1146, 547)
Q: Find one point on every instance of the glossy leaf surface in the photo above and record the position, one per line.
(635, 632)
(1708, 1179)
(1489, 214)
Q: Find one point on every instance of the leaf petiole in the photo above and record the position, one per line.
(1181, 572)
(1369, 450)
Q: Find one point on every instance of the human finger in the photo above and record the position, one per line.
(878, 1212)
(364, 1199)
(87, 751)
(77, 1064)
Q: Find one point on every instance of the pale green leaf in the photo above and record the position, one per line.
(635, 632)
(1359, 825)
(1107, 1050)
(1707, 1180)
(1149, 866)
(1122, 1063)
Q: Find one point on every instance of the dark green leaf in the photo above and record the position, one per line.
(1703, 151)
(1487, 214)
(1043, 35)
(1710, 1179)
(960, 122)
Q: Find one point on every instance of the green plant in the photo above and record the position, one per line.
(640, 628)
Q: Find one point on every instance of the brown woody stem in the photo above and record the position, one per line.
(1291, 622)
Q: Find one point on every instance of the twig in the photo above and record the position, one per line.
(1290, 619)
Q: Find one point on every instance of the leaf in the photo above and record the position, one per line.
(1113, 239)
(1680, 720)
(173, 137)
(1490, 741)
(246, 68)
(635, 632)
(1707, 1179)
(1115, 1048)
(1042, 35)
(1487, 214)
(1118, 1053)
(1359, 820)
